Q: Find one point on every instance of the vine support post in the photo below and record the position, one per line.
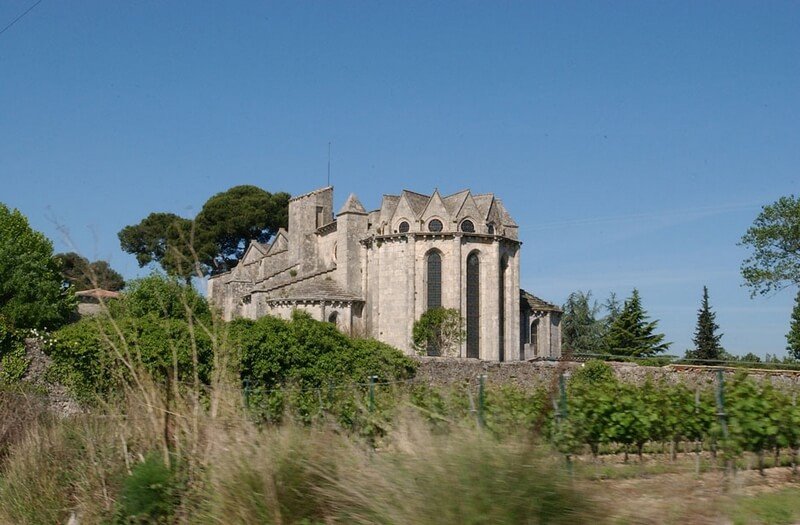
(721, 415)
(247, 393)
(697, 442)
(481, 399)
(372, 393)
(562, 411)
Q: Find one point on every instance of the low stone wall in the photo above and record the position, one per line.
(530, 374)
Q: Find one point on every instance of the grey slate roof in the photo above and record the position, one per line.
(325, 289)
(534, 303)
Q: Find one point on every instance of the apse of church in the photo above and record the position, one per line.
(375, 273)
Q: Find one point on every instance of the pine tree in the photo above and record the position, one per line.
(793, 337)
(632, 334)
(706, 339)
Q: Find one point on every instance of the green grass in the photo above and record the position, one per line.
(775, 508)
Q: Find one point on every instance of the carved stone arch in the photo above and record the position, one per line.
(402, 225)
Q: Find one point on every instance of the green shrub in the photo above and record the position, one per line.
(148, 329)
(13, 358)
(149, 494)
(308, 353)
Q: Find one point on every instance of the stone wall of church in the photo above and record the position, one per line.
(397, 287)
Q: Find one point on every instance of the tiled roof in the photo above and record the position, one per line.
(98, 293)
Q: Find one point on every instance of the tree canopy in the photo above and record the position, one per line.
(632, 334)
(32, 294)
(581, 330)
(706, 339)
(215, 240)
(162, 238)
(85, 275)
(774, 239)
(231, 219)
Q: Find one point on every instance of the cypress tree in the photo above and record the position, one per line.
(706, 339)
(793, 337)
(632, 334)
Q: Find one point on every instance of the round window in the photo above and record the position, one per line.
(467, 226)
(403, 227)
(435, 225)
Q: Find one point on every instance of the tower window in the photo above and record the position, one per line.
(435, 225)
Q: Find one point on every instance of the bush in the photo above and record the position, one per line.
(309, 353)
(439, 331)
(149, 329)
(13, 358)
(148, 495)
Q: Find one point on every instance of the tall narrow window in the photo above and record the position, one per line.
(502, 304)
(434, 280)
(535, 337)
(473, 305)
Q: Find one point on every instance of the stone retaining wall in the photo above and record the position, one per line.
(526, 374)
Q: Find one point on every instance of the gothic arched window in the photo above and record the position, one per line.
(535, 336)
(333, 317)
(490, 227)
(403, 227)
(434, 280)
(435, 225)
(467, 226)
(473, 305)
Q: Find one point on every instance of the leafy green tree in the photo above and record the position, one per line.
(215, 240)
(774, 239)
(165, 239)
(632, 334)
(32, 294)
(581, 331)
(706, 339)
(439, 331)
(793, 337)
(85, 275)
(231, 219)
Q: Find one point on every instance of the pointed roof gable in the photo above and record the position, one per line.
(388, 205)
(435, 208)
(417, 201)
(484, 203)
(255, 250)
(505, 217)
(279, 243)
(469, 209)
(454, 202)
(404, 209)
(353, 205)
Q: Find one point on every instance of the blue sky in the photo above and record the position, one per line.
(634, 142)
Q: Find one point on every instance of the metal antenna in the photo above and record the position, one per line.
(329, 163)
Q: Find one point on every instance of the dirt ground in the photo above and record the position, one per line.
(683, 497)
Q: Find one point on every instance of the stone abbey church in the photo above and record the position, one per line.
(374, 273)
